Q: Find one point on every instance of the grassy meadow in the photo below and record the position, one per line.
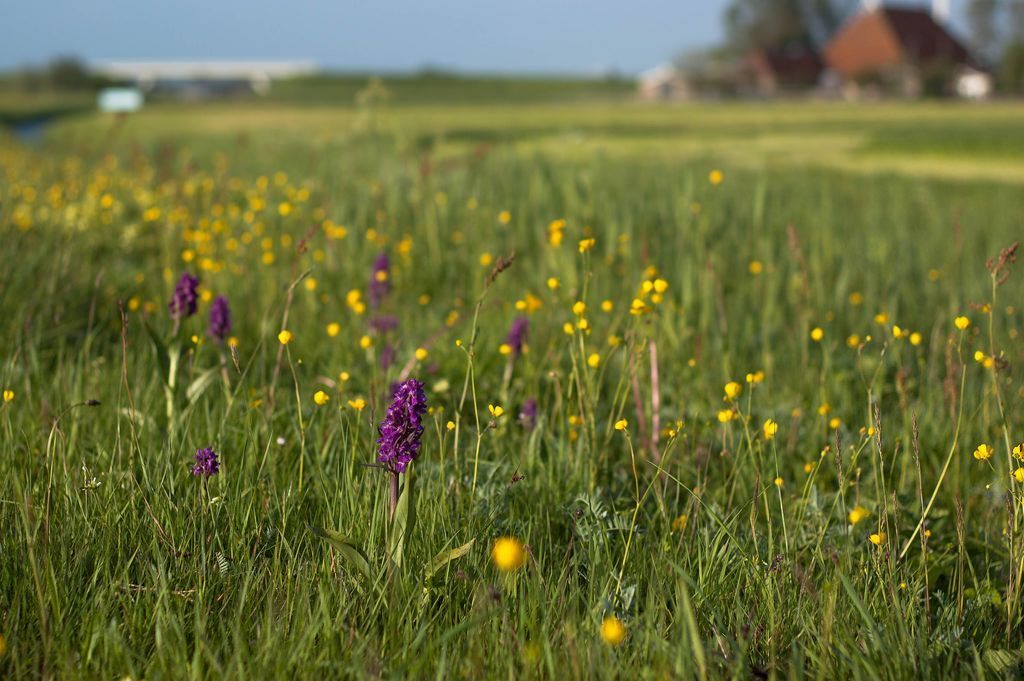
(764, 424)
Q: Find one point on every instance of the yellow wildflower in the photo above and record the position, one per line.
(613, 631)
(857, 514)
(508, 554)
(732, 390)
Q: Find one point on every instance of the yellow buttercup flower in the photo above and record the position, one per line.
(508, 554)
(8, 395)
(578, 308)
(496, 411)
(961, 322)
(733, 390)
(365, 342)
(771, 428)
(613, 631)
(1018, 451)
(726, 415)
(983, 452)
(450, 425)
(321, 398)
(594, 360)
(755, 267)
(877, 538)
(504, 217)
(333, 329)
(857, 514)
(553, 283)
(716, 177)
(421, 354)
(817, 334)
(358, 404)
(621, 424)
(1018, 474)
(587, 244)
(285, 337)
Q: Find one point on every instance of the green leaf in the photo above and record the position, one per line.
(442, 559)
(405, 519)
(198, 386)
(1000, 661)
(349, 551)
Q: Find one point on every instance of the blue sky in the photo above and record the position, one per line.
(565, 36)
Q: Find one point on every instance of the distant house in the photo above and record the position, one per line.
(774, 71)
(905, 49)
(663, 83)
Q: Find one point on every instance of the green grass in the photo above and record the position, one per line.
(115, 561)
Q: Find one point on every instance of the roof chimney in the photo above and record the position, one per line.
(940, 11)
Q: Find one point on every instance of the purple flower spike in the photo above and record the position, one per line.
(402, 427)
(206, 463)
(183, 302)
(387, 356)
(382, 324)
(516, 337)
(528, 414)
(220, 318)
(380, 280)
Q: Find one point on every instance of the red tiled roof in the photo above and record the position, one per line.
(922, 38)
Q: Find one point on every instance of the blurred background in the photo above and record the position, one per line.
(845, 83)
(62, 54)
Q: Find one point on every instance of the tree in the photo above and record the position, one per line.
(775, 24)
(981, 25)
(1011, 69)
(69, 73)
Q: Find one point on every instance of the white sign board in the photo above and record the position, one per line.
(119, 100)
